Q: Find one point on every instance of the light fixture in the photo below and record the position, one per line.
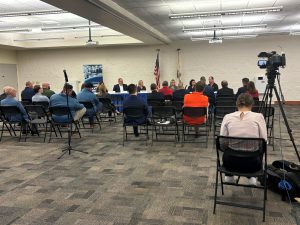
(70, 27)
(225, 12)
(223, 37)
(32, 13)
(100, 36)
(14, 30)
(294, 33)
(40, 39)
(195, 29)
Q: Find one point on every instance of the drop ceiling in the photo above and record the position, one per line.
(143, 21)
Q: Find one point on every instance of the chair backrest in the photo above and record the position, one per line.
(134, 112)
(165, 112)
(10, 111)
(152, 102)
(60, 111)
(45, 104)
(178, 105)
(168, 97)
(241, 147)
(105, 101)
(87, 105)
(194, 112)
(26, 102)
(36, 111)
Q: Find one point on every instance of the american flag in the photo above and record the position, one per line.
(156, 71)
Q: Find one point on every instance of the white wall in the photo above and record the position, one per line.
(8, 56)
(232, 60)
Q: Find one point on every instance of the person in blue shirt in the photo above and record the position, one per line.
(209, 92)
(60, 100)
(27, 93)
(134, 102)
(11, 101)
(87, 95)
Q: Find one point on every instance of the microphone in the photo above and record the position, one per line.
(66, 76)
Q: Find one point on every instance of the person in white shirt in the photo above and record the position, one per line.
(38, 97)
(243, 123)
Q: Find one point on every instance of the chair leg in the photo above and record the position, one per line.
(222, 186)
(124, 135)
(46, 129)
(216, 190)
(77, 128)
(51, 126)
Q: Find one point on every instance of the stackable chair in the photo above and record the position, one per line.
(108, 113)
(89, 106)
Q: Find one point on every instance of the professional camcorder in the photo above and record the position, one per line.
(271, 60)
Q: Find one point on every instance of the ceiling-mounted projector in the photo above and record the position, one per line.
(91, 43)
(215, 41)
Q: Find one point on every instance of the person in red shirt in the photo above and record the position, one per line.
(165, 89)
(253, 91)
(195, 99)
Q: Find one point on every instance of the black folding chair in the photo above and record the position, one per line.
(196, 130)
(154, 102)
(11, 117)
(108, 113)
(134, 113)
(38, 116)
(65, 112)
(241, 149)
(89, 106)
(45, 104)
(164, 123)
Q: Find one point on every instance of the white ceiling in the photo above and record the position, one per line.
(143, 20)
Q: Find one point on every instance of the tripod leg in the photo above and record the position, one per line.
(286, 122)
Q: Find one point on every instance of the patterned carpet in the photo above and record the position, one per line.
(137, 184)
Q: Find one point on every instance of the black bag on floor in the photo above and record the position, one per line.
(283, 177)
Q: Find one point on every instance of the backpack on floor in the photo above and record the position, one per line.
(283, 177)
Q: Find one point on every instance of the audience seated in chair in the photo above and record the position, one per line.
(11, 101)
(87, 95)
(46, 90)
(191, 87)
(134, 102)
(165, 89)
(179, 94)
(251, 90)
(195, 99)
(155, 95)
(102, 92)
(77, 109)
(38, 97)
(225, 91)
(27, 93)
(243, 123)
(243, 89)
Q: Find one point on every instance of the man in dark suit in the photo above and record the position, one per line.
(225, 91)
(120, 87)
(27, 93)
(243, 89)
(179, 94)
(155, 95)
(209, 92)
(134, 102)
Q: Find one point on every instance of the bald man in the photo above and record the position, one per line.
(46, 90)
(11, 101)
(3, 95)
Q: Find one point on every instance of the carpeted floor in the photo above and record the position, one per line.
(133, 185)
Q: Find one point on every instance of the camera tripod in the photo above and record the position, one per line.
(265, 105)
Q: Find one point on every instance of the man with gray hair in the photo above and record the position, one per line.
(208, 91)
(225, 91)
(179, 94)
(3, 95)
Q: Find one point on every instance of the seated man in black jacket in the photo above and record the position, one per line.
(120, 87)
(179, 94)
(155, 95)
(225, 91)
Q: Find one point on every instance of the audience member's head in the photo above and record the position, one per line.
(102, 88)
(82, 86)
(120, 81)
(4, 88)
(245, 81)
(211, 80)
(180, 85)
(10, 91)
(224, 84)
(203, 79)
(132, 89)
(89, 86)
(45, 85)
(165, 84)
(29, 84)
(192, 82)
(244, 101)
(251, 87)
(172, 83)
(199, 87)
(153, 87)
(68, 89)
(37, 89)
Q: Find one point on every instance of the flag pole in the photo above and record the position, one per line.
(178, 65)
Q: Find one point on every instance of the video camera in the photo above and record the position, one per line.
(272, 61)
